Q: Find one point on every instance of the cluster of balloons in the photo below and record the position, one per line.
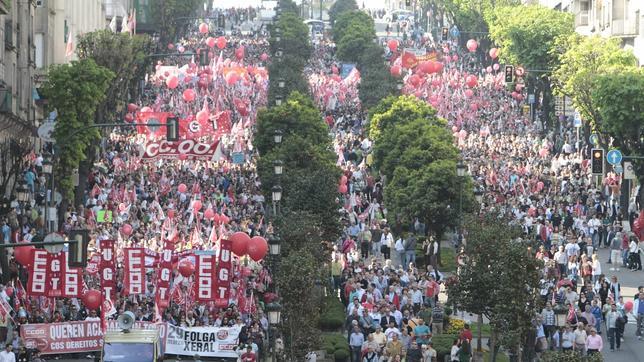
(255, 247)
(220, 42)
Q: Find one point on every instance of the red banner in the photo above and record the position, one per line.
(107, 269)
(187, 149)
(72, 281)
(37, 284)
(92, 264)
(134, 271)
(410, 58)
(205, 281)
(58, 338)
(224, 274)
(164, 274)
(55, 274)
(154, 123)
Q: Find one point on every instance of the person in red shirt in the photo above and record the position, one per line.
(249, 356)
(466, 333)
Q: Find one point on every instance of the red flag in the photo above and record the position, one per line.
(37, 284)
(153, 123)
(134, 271)
(224, 273)
(107, 268)
(56, 274)
(205, 286)
(163, 275)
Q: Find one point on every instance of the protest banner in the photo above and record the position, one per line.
(204, 341)
(187, 149)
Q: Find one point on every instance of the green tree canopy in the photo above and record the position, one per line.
(581, 59)
(170, 15)
(339, 7)
(526, 34)
(431, 193)
(346, 19)
(396, 111)
(357, 38)
(617, 94)
(413, 144)
(75, 90)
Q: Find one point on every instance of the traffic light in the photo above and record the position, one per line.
(78, 241)
(172, 129)
(444, 33)
(203, 57)
(509, 73)
(597, 161)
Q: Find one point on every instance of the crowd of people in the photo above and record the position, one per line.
(539, 177)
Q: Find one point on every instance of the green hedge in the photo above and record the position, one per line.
(569, 356)
(333, 314)
(442, 343)
(336, 345)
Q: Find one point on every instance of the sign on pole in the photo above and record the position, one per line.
(629, 172)
(614, 157)
(577, 119)
(594, 139)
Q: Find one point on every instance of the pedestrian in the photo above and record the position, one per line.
(7, 354)
(638, 310)
(356, 340)
(438, 315)
(594, 343)
(614, 335)
(580, 339)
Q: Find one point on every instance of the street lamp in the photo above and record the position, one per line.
(22, 193)
(274, 245)
(274, 311)
(47, 167)
(460, 168)
(478, 195)
(281, 83)
(278, 100)
(278, 167)
(277, 193)
(279, 53)
(277, 137)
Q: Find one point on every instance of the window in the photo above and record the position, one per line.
(584, 12)
(40, 49)
(8, 34)
(618, 10)
(65, 32)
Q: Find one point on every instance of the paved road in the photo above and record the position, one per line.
(631, 349)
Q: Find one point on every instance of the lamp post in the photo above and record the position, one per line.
(278, 167)
(22, 193)
(460, 173)
(277, 196)
(47, 169)
(278, 100)
(274, 312)
(277, 136)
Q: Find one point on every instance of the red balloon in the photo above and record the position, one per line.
(189, 95)
(263, 57)
(474, 107)
(126, 229)
(239, 53)
(414, 80)
(203, 115)
(471, 81)
(172, 82)
(203, 28)
(24, 254)
(343, 180)
(209, 214)
(494, 52)
(221, 42)
(170, 46)
(196, 205)
(232, 78)
(132, 107)
(217, 218)
(225, 219)
(257, 248)
(211, 42)
(396, 70)
(342, 189)
(469, 93)
(186, 268)
(392, 44)
(129, 118)
(92, 299)
(182, 188)
(240, 241)
(628, 306)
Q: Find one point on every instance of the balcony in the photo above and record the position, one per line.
(623, 28)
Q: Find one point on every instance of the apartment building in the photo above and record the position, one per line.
(623, 19)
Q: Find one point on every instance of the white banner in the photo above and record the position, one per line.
(204, 341)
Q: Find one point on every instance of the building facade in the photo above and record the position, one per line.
(623, 19)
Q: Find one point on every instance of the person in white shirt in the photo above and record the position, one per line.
(391, 330)
(92, 316)
(7, 355)
(572, 248)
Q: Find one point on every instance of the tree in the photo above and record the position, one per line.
(499, 279)
(413, 144)
(432, 193)
(129, 67)
(527, 36)
(168, 15)
(75, 90)
(339, 7)
(355, 41)
(581, 59)
(296, 116)
(288, 6)
(13, 157)
(392, 111)
(348, 18)
(617, 94)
